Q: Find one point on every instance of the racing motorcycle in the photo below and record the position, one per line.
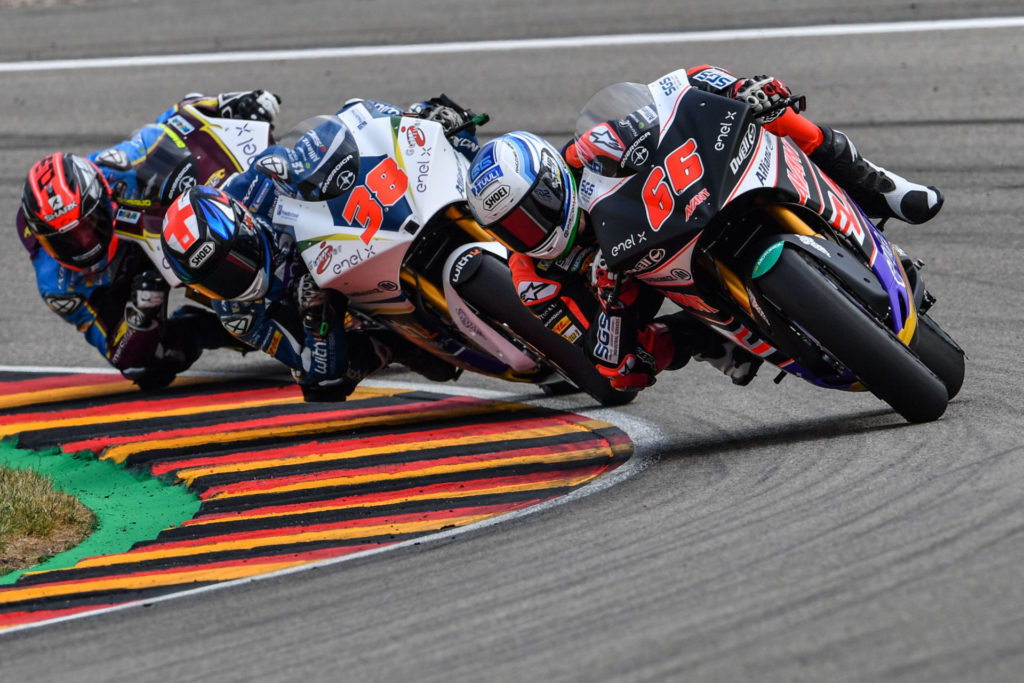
(395, 237)
(691, 195)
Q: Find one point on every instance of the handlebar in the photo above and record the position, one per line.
(477, 120)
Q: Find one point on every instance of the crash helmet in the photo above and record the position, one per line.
(521, 191)
(618, 130)
(214, 245)
(67, 205)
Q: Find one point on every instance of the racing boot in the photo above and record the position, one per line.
(206, 327)
(694, 340)
(880, 193)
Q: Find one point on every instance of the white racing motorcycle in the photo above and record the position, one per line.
(397, 240)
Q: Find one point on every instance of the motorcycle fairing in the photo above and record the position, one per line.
(192, 149)
(405, 177)
(359, 242)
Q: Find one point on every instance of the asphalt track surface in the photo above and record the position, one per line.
(781, 533)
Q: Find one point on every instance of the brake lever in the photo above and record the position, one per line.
(797, 102)
(477, 120)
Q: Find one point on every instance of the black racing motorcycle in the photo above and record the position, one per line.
(738, 227)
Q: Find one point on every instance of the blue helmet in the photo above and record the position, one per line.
(214, 245)
(522, 192)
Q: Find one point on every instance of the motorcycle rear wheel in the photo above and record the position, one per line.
(887, 368)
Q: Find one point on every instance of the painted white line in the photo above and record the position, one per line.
(570, 42)
(647, 439)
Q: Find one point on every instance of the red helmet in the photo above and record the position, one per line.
(66, 204)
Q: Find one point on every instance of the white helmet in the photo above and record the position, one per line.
(522, 192)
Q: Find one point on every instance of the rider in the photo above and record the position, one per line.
(223, 243)
(880, 193)
(557, 266)
(71, 210)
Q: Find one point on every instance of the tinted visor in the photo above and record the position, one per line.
(243, 272)
(541, 212)
(85, 243)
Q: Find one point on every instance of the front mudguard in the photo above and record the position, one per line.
(859, 279)
(464, 270)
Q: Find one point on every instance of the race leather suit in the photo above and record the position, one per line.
(95, 303)
(327, 360)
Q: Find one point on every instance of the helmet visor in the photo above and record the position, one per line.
(243, 274)
(80, 244)
(536, 217)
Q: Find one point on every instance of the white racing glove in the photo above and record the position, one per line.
(253, 105)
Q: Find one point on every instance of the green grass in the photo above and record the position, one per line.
(36, 520)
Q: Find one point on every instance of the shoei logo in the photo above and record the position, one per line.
(493, 198)
(200, 256)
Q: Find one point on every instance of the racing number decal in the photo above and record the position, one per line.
(682, 168)
(386, 183)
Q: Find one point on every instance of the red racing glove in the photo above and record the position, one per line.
(653, 351)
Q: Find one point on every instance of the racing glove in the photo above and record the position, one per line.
(445, 111)
(630, 359)
(614, 291)
(762, 93)
(455, 120)
(255, 105)
(147, 307)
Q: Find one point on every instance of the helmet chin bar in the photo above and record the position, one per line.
(258, 288)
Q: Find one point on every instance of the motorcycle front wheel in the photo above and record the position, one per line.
(492, 294)
(938, 351)
(829, 317)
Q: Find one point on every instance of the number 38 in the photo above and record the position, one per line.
(386, 183)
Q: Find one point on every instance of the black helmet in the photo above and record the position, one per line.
(214, 246)
(67, 206)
